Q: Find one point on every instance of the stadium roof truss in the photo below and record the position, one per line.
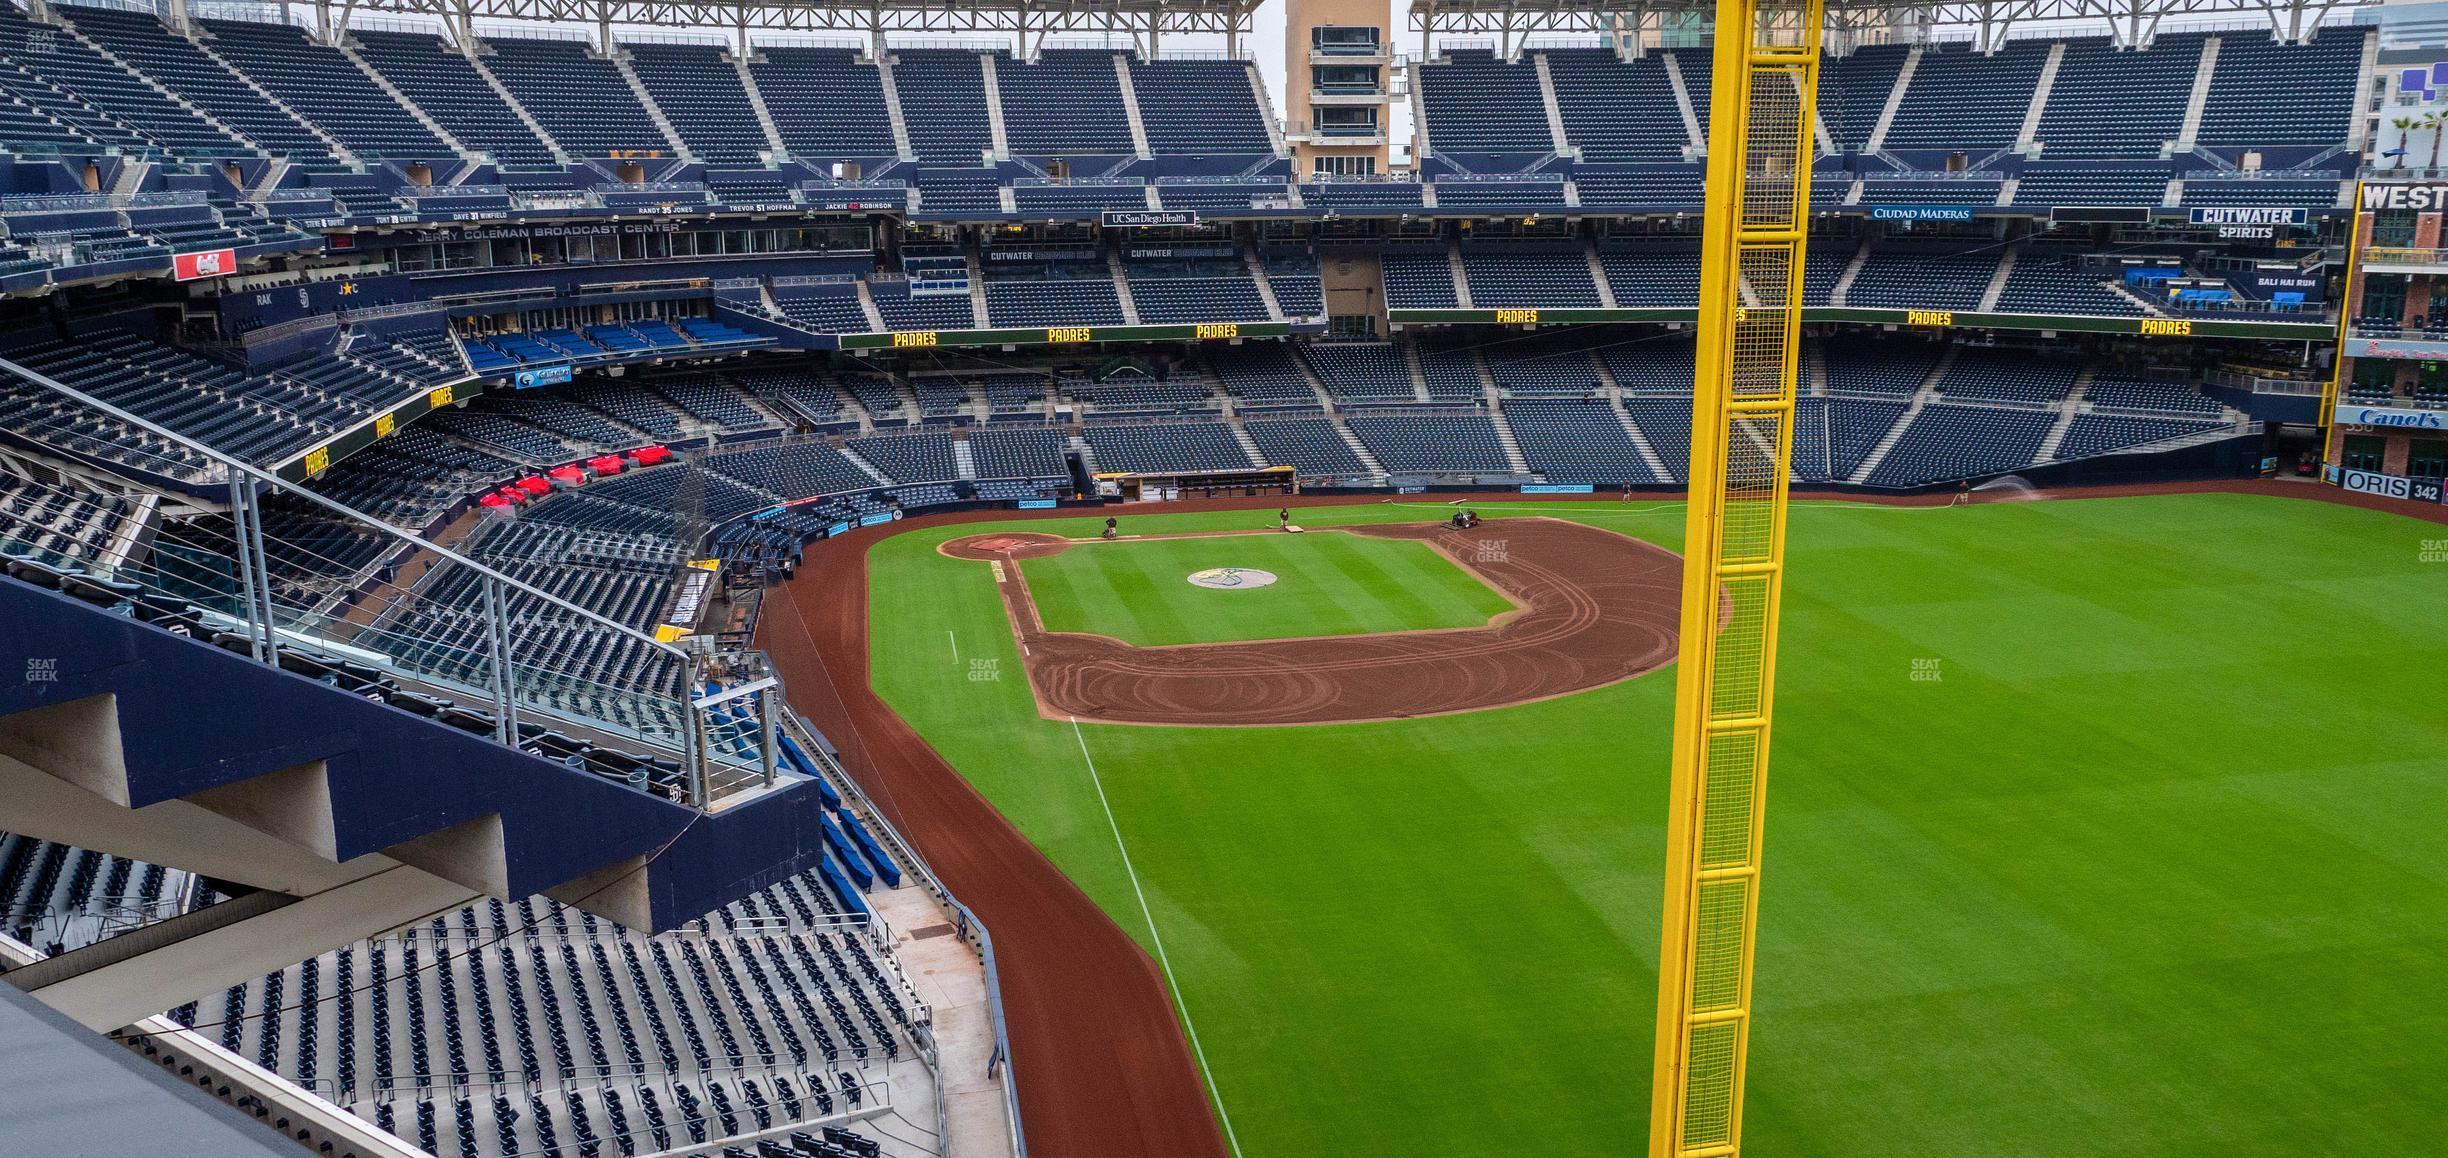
(1851, 22)
(1144, 22)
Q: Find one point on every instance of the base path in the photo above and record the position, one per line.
(1596, 607)
(1098, 1057)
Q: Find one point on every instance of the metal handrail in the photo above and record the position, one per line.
(275, 482)
(703, 737)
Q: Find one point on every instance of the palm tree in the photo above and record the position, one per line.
(2405, 129)
(2438, 125)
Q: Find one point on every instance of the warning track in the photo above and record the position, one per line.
(1596, 608)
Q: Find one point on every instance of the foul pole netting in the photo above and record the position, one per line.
(1764, 88)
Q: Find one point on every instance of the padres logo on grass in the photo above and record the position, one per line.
(1231, 578)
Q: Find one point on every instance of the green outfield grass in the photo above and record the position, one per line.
(2154, 866)
(1327, 583)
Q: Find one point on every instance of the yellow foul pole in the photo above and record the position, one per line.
(1759, 158)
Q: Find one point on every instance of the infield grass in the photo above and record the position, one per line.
(2154, 866)
(1327, 583)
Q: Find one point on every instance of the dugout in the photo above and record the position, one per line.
(1157, 486)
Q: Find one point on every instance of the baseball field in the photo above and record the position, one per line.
(2105, 826)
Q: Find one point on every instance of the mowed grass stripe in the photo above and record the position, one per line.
(1380, 599)
(1141, 589)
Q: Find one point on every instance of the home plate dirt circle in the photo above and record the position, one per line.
(1596, 608)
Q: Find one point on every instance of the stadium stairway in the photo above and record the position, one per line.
(334, 817)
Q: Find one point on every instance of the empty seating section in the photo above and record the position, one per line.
(1129, 389)
(1199, 106)
(1068, 102)
(1362, 371)
(827, 309)
(1616, 110)
(1961, 99)
(1911, 277)
(943, 99)
(1660, 364)
(1854, 428)
(825, 103)
(2111, 103)
(2119, 392)
(791, 389)
(1657, 186)
(2007, 377)
(1440, 443)
(2047, 184)
(1652, 274)
(2264, 93)
(1873, 365)
(178, 65)
(579, 97)
(2261, 190)
(1328, 194)
(904, 310)
(1210, 291)
(1665, 423)
(1007, 393)
(974, 192)
(1823, 262)
(1461, 193)
(1853, 91)
(57, 523)
(1221, 197)
(327, 88)
(2093, 434)
(1081, 199)
(909, 457)
(1417, 278)
(433, 74)
(1555, 365)
(1528, 275)
(1476, 103)
(700, 94)
(795, 470)
(1451, 373)
(2062, 284)
(1264, 374)
(1080, 300)
(1297, 288)
(508, 1028)
(1023, 452)
(1170, 446)
(1951, 442)
(262, 418)
(1577, 441)
(1919, 188)
(57, 92)
(1311, 446)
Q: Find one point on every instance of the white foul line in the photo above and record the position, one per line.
(1157, 938)
(955, 646)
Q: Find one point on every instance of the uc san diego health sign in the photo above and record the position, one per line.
(2394, 417)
